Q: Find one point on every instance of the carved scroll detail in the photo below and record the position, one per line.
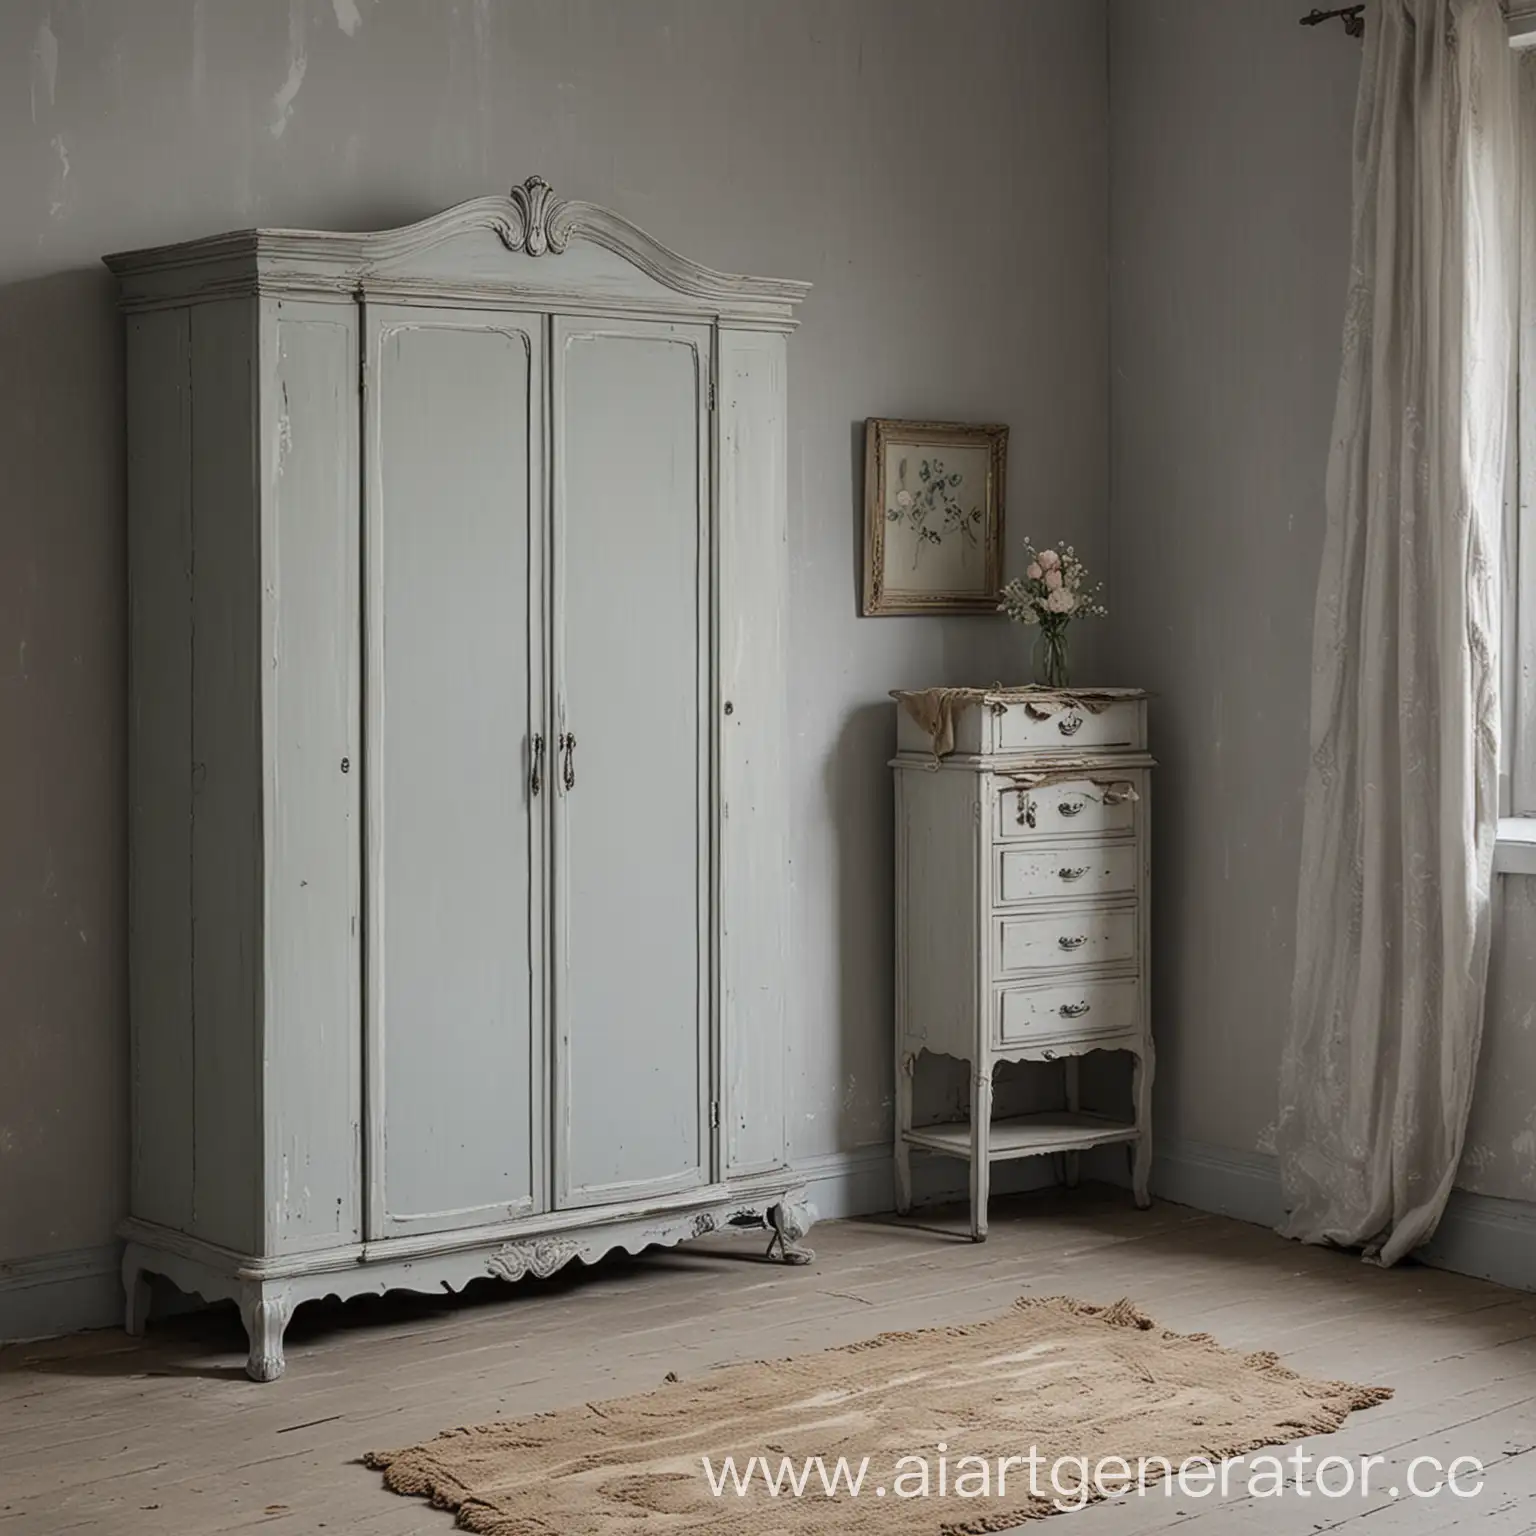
(542, 228)
(541, 1257)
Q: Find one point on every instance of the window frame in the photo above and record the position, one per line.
(1516, 843)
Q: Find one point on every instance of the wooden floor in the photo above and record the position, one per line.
(101, 1433)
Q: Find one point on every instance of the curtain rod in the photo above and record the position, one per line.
(1353, 17)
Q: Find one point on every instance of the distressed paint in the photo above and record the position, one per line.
(455, 1028)
(452, 487)
(268, 1294)
(312, 746)
(961, 993)
(754, 901)
(633, 799)
(226, 798)
(45, 67)
(57, 199)
(653, 107)
(348, 17)
(298, 65)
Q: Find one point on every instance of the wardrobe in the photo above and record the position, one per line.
(457, 826)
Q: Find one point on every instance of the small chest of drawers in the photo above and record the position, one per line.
(1022, 862)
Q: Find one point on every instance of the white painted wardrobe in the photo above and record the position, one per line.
(457, 822)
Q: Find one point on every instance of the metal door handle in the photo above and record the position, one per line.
(568, 773)
(1076, 942)
(1073, 874)
(1074, 1010)
(536, 776)
(1070, 808)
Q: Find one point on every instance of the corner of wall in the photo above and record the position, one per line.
(54, 1293)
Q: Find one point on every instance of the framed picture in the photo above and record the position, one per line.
(933, 516)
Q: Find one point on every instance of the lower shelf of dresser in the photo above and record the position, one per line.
(1056, 1130)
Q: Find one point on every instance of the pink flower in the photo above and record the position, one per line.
(1049, 559)
(1060, 601)
(1053, 578)
(1034, 571)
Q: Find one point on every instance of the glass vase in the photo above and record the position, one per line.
(1051, 662)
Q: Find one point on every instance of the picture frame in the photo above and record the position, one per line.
(934, 495)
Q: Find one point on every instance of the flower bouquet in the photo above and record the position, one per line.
(1053, 591)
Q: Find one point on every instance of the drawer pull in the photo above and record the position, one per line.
(1070, 726)
(1074, 942)
(1074, 1010)
(1073, 874)
(1070, 808)
(1049, 1055)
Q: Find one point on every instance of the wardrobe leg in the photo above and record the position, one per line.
(1069, 1067)
(136, 1296)
(791, 1220)
(265, 1310)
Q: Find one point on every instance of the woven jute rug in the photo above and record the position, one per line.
(1061, 1378)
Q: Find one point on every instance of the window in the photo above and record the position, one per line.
(1517, 776)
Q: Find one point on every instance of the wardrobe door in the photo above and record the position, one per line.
(453, 701)
(632, 619)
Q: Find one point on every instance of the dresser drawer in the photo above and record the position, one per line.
(1025, 727)
(1065, 940)
(1078, 869)
(1100, 807)
(1073, 1010)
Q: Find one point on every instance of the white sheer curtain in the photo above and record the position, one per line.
(1401, 797)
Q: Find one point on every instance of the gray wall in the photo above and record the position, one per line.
(1500, 1155)
(938, 168)
(1230, 196)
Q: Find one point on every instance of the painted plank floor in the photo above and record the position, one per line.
(165, 1437)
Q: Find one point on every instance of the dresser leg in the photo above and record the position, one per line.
(981, 1149)
(904, 1069)
(265, 1311)
(1071, 1169)
(136, 1296)
(1141, 1092)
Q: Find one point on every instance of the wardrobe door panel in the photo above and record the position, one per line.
(632, 823)
(452, 700)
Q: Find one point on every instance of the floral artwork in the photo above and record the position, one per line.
(937, 509)
(1053, 591)
(933, 517)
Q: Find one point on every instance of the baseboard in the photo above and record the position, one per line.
(54, 1293)
(863, 1182)
(1478, 1235)
(1244, 1185)
(1486, 1237)
(1491, 1239)
(843, 1184)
